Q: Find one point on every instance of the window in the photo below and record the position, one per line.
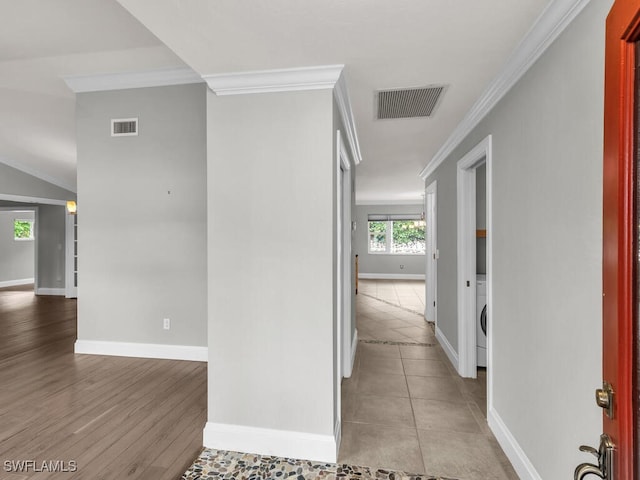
(396, 234)
(23, 229)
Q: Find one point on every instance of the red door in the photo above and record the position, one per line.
(620, 248)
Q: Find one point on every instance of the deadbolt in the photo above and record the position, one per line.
(604, 398)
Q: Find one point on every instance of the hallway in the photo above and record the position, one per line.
(405, 407)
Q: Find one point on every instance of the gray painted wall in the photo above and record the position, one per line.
(142, 224)
(546, 305)
(378, 263)
(15, 182)
(271, 174)
(16, 257)
(51, 246)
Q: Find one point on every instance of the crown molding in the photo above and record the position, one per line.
(549, 25)
(291, 80)
(341, 95)
(281, 80)
(120, 81)
(38, 174)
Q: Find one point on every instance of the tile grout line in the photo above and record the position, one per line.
(413, 413)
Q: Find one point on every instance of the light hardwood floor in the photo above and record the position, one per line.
(114, 417)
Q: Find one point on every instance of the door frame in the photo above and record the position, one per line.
(431, 279)
(619, 262)
(345, 275)
(466, 243)
(344, 287)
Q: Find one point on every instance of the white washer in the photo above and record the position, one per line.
(481, 319)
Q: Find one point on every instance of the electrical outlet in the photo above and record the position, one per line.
(167, 324)
(401, 267)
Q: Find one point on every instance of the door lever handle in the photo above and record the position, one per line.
(604, 454)
(589, 449)
(585, 469)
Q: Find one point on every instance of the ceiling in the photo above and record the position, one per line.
(382, 43)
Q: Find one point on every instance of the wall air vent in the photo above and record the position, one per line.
(124, 127)
(409, 102)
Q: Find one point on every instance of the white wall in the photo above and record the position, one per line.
(547, 240)
(379, 264)
(16, 256)
(142, 217)
(272, 312)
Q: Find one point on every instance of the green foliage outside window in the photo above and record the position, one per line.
(23, 229)
(407, 237)
(406, 232)
(377, 236)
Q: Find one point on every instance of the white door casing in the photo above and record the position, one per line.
(466, 242)
(345, 271)
(431, 283)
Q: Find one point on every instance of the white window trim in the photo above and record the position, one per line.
(389, 235)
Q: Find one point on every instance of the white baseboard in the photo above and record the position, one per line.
(266, 441)
(521, 463)
(354, 348)
(51, 291)
(448, 349)
(15, 283)
(348, 371)
(142, 350)
(392, 276)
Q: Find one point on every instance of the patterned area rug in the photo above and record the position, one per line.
(221, 464)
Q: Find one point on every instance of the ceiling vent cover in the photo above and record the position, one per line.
(409, 102)
(124, 127)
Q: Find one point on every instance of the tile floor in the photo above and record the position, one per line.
(408, 294)
(405, 407)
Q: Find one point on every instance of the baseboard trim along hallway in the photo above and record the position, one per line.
(60, 292)
(16, 283)
(142, 350)
(448, 349)
(354, 349)
(521, 463)
(391, 276)
(266, 441)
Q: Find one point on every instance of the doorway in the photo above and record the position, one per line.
(50, 248)
(18, 246)
(467, 235)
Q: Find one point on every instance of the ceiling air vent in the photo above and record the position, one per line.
(124, 127)
(409, 102)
